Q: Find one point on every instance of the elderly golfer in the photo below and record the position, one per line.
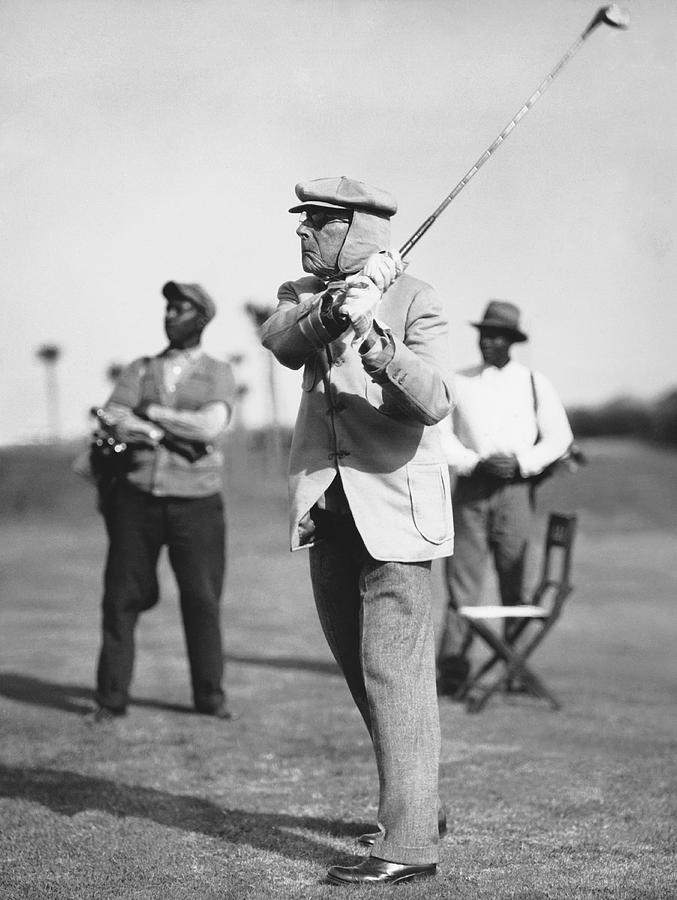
(369, 493)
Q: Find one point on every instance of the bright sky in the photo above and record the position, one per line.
(161, 139)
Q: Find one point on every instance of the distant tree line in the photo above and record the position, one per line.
(655, 420)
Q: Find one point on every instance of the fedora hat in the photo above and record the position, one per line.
(504, 315)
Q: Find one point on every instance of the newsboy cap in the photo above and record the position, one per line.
(504, 315)
(193, 292)
(344, 193)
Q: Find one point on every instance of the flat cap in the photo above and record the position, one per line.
(344, 193)
(193, 292)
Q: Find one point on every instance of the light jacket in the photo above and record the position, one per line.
(368, 416)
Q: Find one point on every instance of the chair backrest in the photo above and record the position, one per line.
(559, 540)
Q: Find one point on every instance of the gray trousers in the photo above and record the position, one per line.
(377, 618)
(491, 519)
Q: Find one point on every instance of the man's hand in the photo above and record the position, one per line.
(141, 410)
(360, 302)
(383, 268)
(136, 433)
(499, 465)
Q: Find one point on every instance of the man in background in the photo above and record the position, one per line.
(370, 495)
(507, 427)
(170, 409)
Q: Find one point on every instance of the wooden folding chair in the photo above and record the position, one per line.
(530, 621)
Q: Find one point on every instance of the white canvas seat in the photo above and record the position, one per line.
(503, 612)
(541, 614)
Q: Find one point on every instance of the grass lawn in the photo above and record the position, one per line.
(166, 804)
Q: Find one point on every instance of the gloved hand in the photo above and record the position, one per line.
(360, 302)
(383, 268)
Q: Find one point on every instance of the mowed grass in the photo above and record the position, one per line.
(167, 804)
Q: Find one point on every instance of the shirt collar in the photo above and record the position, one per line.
(495, 370)
(188, 355)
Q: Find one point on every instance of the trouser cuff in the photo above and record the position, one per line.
(406, 856)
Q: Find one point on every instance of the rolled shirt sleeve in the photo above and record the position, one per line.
(130, 428)
(205, 424)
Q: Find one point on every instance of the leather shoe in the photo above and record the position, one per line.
(219, 712)
(103, 714)
(453, 672)
(373, 870)
(371, 837)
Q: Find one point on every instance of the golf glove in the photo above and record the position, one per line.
(383, 268)
(359, 305)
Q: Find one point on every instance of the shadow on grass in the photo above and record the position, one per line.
(69, 793)
(73, 698)
(321, 666)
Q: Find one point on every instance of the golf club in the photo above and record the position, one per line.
(609, 15)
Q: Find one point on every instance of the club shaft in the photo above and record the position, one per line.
(491, 149)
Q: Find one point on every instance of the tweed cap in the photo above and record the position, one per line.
(344, 193)
(504, 315)
(193, 292)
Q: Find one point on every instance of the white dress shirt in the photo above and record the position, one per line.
(495, 413)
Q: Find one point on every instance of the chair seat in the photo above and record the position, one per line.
(528, 624)
(523, 611)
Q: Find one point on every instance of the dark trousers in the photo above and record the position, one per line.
(193, 530)
(492, 519)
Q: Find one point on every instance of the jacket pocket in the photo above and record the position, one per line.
(429, 494)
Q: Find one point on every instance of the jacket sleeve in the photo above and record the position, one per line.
(296, 329)
(414, 376)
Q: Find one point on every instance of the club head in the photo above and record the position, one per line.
(611, 15)
(615, 16)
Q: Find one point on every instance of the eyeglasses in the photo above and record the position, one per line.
(318, 218)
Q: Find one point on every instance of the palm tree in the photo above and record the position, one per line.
(49, 355)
